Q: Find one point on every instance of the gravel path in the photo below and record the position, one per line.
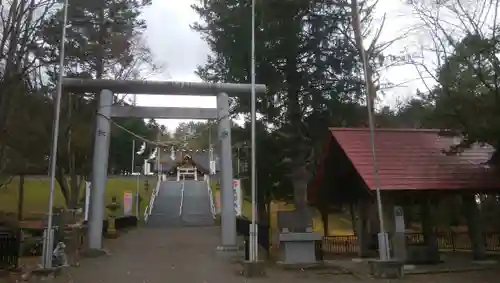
(186, 255)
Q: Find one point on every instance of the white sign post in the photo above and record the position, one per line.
(146, 168)
(87, 199)
(399, 239)
(237, 197)
(212, 167)
(127, 203)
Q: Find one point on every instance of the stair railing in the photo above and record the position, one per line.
(182, 196)
(211, 197)
(154, 194)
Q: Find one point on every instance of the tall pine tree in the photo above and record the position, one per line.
(103, 41)
(309, 66)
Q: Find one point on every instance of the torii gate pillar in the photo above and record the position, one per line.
(100, 170)
(228, 213)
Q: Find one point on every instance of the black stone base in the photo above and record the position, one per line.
(42, 273)
(386, 269)
(422, 254)
(231, 253)
(93, 253)
(253, 269)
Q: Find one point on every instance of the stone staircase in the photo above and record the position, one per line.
(176, 207)
(196, 209)
(166, 206)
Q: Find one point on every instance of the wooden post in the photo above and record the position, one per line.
(20, 198)
(475, 226)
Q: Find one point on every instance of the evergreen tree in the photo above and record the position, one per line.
(309, 65)
(103, 41)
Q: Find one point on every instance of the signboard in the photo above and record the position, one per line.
(128, 200)
(237, 196)
(87, 200)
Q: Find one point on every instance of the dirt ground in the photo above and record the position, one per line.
(187, 255)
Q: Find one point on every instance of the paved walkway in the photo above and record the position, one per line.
(186, 255)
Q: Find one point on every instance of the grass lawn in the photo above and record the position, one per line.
(36, 194)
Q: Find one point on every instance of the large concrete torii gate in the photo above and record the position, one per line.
(106, 110)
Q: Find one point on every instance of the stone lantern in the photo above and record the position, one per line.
(113, 209)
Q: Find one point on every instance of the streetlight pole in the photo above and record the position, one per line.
(137, 177)
(158, 155)
(134, 103)
(133, 158)
(383, 241)
(253, 228)
(238, 161)
(48, 239)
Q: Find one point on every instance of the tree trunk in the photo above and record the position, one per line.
(262, 211)
(324, 218)
(63, 184)
(353, 218)
(20, 199)
(74, 191)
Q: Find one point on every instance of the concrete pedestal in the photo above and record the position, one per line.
(298, 248)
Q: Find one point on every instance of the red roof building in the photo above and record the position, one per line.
(408, 159)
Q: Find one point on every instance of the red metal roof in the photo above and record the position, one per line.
(414, 159)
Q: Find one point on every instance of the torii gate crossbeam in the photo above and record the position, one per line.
(106, 111)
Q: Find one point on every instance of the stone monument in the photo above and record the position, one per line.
(296, 237)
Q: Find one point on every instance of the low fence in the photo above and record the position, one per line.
(339, 244)
(12, 246)
(9, 249)
(450, 241)
(457, 241)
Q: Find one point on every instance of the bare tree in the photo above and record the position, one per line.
(443, 25)
(20, 21)
(366, 26)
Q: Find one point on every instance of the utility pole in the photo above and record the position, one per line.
(383, 240)
(253, 228)
(133, 158)
(238, 161)
(48, 239)
(134, 103)
(158, 154)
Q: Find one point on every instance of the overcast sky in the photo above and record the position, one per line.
(180, 49)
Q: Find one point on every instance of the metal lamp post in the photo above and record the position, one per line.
(137, 179)
(48, 239)
(253, 229)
